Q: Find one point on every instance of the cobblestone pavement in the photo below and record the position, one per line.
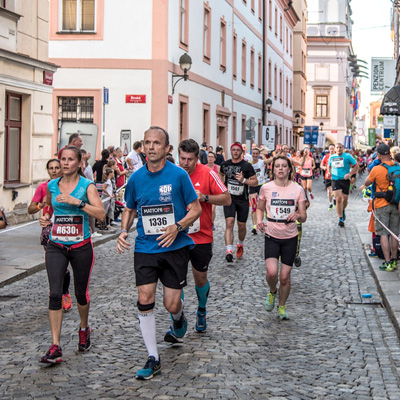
(329, 349)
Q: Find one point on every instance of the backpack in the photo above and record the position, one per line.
(376, 244)
(392, 195)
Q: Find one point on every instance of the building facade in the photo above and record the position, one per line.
(26, 128)
(329, 77)
(241, 53)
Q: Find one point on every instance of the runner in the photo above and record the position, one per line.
(73, 199)
(328, 178)
(53, 168)
(237, 175)
(211, 192)
(339, 166)
(161, 193)
(307, 166)
(285, 203)
(259, 168)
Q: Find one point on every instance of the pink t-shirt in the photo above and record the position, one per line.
(280, 202)
(40, 193)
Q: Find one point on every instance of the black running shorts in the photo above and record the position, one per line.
(200, 256)
(341, 184)
(169, 267)
(283, 248)
(239, 207)
(255, 189)
(328, 183)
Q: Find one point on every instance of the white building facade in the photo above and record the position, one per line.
(133, 47)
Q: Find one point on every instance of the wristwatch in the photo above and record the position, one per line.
(180, 229)
(81, 204)
(206, 198)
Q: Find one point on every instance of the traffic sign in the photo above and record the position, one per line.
(250, 123)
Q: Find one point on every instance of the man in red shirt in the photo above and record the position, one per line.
(210, 190)
(74, 140)
(328, 178)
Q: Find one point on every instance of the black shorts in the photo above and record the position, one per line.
(200, 256)
(170, 267)
(255, 189)
(341, 184)
(304, 178)
(328, 182)
(241, 207)
(283, 248)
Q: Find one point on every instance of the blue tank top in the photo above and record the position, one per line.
(71, 224)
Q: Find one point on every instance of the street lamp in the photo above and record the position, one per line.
(297, 116)
(268, 103)
(321, 126)
(185, 62)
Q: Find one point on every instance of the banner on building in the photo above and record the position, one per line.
(310, 135)
(383, 74)
(321, 140)
(389, 121)
(386, 133)
(348, 142)
(268, 137)
(371, 136)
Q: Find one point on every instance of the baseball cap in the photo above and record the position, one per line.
(383, 149)
(238, 144)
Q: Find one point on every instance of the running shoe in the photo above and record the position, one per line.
(96, 234)
(330, 207)
(239, 251)
(270, 301)
(201, 321)
(254, 230)
(53, 356)
(66, 302)
(372, 254)
(297, 261)
(341, 223)
(344, 216)
(282, 313)
(386, 266)
(151, 368)
(176, 331)
(229, 256)
(393, 263)
(312, 196)
(84, 339)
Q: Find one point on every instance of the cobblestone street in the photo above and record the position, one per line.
(329, 349)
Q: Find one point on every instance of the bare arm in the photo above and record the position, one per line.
(260, 214)
(127, 219)
(222, 199)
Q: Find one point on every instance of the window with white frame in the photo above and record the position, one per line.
(184, 22)
(75, 109)
(78, 15)
(321, 106)
(207, 33)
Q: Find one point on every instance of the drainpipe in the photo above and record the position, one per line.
(263, 63)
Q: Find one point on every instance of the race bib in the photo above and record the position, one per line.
(67, 228)
(154, 218)
(297, 169)
(195, 227)
(338, 162)
(235, 188)
(281, 208)
(306, 172)
(260, 176)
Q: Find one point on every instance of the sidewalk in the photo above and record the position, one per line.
(21, 253)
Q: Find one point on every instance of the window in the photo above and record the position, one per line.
(78, 15)
(276, 22)
(276, 82)
(291, 45)
(3, 3)
(287, 91)
(234, 127)
(269, 78)
(291, 94)
(75, 109)
(287, 40)
(13, 125)
(252, 66)
(280, 87)
(206, 123)
(321, 105)
(184, 24)
(183, 118)
(243, 132)
(260, 6)
(253, 6)
(207, 34)
(280, 28)
(222, 45)
(270, 14)
(244, 49)
(234, 56)
(259, 72)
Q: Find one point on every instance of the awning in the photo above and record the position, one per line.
(391, 102)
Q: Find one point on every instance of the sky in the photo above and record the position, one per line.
(371, 38)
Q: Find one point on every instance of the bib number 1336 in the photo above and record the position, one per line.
(155, 218)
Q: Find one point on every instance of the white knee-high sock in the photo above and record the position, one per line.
(148, 327)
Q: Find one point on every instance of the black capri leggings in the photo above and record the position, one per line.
(57, 259)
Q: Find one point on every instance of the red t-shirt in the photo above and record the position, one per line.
(40, 193)
(325, 163)
(121, 179)
(207, 182)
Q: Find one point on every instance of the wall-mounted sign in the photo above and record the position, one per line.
(135, 98)
(170, 99)
(383, 74)
(106, 95)
(48, 78)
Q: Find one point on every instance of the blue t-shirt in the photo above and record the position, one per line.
(341, 165)
(161, 199)
(71, 224)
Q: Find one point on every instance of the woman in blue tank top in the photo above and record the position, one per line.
(73, 199)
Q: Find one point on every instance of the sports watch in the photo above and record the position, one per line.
(81, 204)
(180, 229)
(206, 198)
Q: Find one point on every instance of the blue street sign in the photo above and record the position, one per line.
(314, 135)
(307, 135)
(348, 142)
(386, 133)
(106, 94)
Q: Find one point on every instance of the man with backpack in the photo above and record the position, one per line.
(385, 209)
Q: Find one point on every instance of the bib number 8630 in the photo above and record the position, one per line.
(67, 230)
